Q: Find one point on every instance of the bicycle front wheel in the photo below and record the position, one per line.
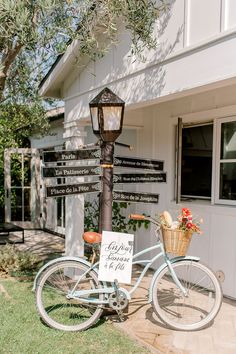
(54, 303)
(195, 310)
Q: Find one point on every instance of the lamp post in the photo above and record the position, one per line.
(107, 111)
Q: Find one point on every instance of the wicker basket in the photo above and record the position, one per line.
(176, 241)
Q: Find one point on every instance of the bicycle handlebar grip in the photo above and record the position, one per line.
(137, 217)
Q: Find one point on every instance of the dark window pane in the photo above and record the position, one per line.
(61, 211)
(228, 181)
(27, 170)
(197, 161)
(16, 204)
(16, 170)
(27, 212)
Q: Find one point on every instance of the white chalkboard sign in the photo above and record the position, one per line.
(116, 257)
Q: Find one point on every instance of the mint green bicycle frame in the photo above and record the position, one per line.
(84, 295)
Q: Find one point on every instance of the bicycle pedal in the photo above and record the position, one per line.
(120, 316)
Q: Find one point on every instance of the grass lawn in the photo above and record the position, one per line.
(22, 332)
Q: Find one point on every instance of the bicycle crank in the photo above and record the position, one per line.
(118, 300)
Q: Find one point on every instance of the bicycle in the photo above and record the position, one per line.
(185, 294)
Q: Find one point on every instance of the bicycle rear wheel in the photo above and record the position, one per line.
(198, 308)
(54, 305)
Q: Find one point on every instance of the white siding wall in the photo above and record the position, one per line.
(203, 20)
(216, 247)
(191, 34)
(228, 14)
(196, 54)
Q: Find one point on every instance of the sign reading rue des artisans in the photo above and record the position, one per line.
(133, 162)
(63, 171)
(62, 189)
(71, 155)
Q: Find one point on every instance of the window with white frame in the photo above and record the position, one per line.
(225, 189)
(195, 161)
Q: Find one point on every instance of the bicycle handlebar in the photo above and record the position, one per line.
(144, 217)
(137, 217)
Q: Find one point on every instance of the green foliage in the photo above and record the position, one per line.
(14, 260)
(120, 223)
(17, 123)
(33, 33)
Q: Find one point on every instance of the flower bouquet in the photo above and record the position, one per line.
(177, 234)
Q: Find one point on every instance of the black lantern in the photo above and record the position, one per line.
(107, 111)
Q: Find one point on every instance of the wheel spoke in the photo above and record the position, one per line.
(56, 308)
(196, 309)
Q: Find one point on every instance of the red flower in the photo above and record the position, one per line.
(186, 212)
(189, 225)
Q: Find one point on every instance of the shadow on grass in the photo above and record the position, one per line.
(100, 322)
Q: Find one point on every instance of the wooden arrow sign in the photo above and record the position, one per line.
(71, 155)
(135, 197)
(145, 164)
(62, 189)
(139, 178)
(63, 171)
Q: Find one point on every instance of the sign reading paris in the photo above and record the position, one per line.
(71, 155)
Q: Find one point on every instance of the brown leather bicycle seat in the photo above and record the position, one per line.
(92, 237)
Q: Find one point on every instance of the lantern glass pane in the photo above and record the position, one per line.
(94, 115)
(112, 118)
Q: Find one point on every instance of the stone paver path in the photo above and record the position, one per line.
(143, 324)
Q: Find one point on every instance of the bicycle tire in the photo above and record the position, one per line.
(55, 309)
(203, 300)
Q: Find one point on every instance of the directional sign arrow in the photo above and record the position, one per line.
(71, 155)
(133, 162)
(63, 171)
(139, 177)
(60, 190)
(135, 197)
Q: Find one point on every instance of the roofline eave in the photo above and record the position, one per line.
(51, 87)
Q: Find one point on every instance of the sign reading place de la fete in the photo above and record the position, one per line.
(133, 162)
(71, 155)
(62, 171)
(62, 189)
(135, 197)
(139, 177)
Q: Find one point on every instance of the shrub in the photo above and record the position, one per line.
(13, 260)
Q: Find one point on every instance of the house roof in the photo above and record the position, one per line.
(51, 84)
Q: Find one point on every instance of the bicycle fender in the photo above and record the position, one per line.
(61, 259)
(164, 265)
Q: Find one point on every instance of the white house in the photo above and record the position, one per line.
(191, 75)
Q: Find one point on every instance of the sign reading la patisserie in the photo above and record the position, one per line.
(62, 171)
